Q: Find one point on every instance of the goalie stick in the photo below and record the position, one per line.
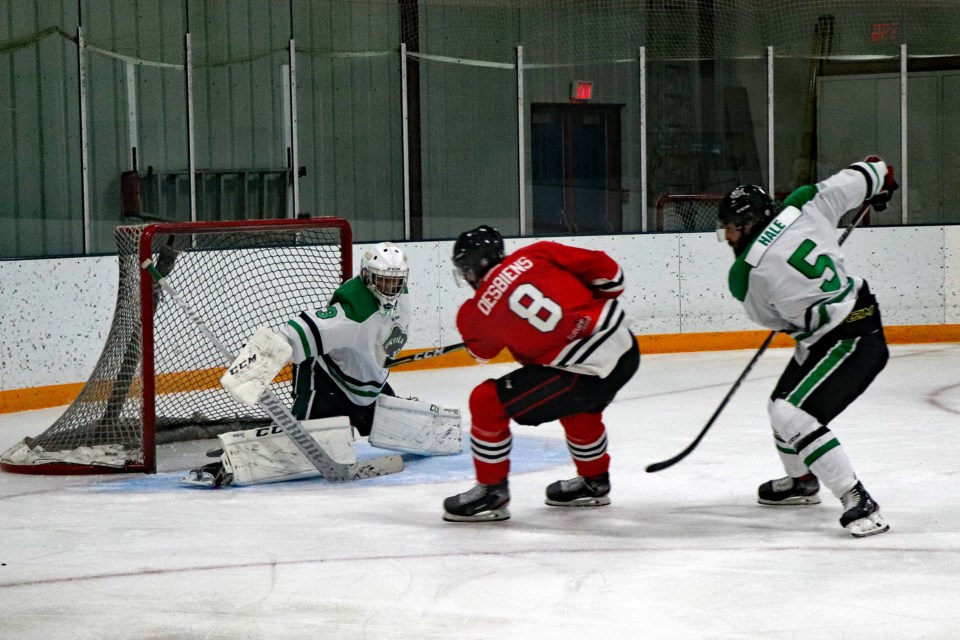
(666, 464)
(278, 412)
(423, 355)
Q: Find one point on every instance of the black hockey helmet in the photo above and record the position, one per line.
(745, 206)
(476, 252)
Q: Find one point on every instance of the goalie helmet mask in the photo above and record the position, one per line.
(476, 252)
(748, 208)
(384, 270)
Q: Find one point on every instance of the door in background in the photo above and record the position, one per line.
(576, 162)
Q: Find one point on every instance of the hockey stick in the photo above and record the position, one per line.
(278, 412)
(660, 466)
(423, 355)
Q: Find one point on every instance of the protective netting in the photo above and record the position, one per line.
(235, 277)
(578, 31)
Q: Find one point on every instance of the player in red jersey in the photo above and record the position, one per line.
(555, 308)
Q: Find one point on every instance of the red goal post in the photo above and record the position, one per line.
(157, 378)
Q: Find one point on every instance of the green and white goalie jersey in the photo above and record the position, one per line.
(791, 278)
(351, 339)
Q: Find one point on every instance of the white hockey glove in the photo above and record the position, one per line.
(259, 362)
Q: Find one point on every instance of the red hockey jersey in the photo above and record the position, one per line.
(550, 304)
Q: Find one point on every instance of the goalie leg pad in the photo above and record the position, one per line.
(416, 427)
(259, 362)
(266, 454)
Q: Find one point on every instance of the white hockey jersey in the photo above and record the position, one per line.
(792, 278)
(351, 339)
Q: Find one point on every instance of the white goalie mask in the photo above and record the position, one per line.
(384, 270)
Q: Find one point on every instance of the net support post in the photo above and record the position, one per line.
(405, 133)
(771, 180)
(84, 141)
(294, 153)
(287, 135)
(904, 215)
(642, 62)
(521, 142)
(191, 155)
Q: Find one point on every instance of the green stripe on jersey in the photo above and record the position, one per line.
(303, 338)
(801, 196)
(351, 389)
(739, 278)
(824, 368)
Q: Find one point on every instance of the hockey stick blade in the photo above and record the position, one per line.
(423, 355)
(382, 466)
(666, 464)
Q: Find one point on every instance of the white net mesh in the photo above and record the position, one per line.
(692, 212)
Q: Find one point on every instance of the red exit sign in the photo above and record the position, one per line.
(885, 32)
(581, 91)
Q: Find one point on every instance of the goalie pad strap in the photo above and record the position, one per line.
(417, 427)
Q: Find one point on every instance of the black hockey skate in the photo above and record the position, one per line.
(483, 503)
(790, 492)
(580, 492)
(861, 515)
(211, 475)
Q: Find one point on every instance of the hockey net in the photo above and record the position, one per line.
(157, 379)
(688, 212)
(692, 211)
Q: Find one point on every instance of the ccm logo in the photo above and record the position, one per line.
(234, 370)
(860, 314)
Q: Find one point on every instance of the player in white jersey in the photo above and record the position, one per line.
(339, 352)
(790, 276)
(339, 356)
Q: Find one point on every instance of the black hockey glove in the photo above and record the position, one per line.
(879, 202)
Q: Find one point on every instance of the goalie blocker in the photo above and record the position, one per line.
(259, 362)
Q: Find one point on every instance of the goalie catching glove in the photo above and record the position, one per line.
(259, 362)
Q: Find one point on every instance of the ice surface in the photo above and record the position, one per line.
(684, 553)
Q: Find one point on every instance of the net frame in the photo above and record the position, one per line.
(126, 374)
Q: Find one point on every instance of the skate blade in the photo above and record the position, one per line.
(869, 526)
(580, 502)
(196, 480)
(795, 501)
(492, 515)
